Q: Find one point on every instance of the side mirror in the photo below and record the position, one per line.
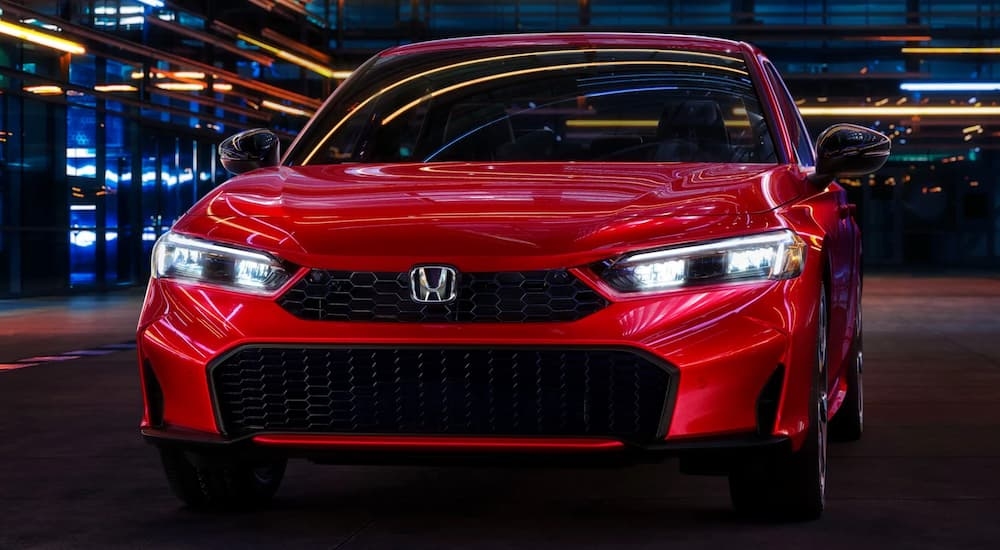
(249, 150)
(849, 150)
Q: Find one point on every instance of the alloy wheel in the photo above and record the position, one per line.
(822, 415)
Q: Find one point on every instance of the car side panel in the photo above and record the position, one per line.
(821, 212)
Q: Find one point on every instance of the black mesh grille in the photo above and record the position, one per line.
(531, 296)
(441, 391)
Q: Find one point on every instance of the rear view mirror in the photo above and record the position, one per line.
(249, 150)
(849, 150)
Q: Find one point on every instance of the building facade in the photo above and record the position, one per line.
(110, 110)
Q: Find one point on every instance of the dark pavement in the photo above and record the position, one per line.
(75, 474)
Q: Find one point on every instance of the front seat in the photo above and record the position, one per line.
(692, 130)
(474, 132)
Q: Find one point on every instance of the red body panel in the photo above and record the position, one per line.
(725, 341)
(546, 214)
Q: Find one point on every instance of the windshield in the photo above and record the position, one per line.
(603, 104)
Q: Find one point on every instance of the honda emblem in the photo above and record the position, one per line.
(433, 284)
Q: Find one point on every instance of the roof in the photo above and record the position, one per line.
(576, 39)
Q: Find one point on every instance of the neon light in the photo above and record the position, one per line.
(950, 86)
(951, 51)
(892, 38)
(193, 75)
(44, 90)
(301, 62)
(115, 88)
(284, 108)
(41, 38)
(915, 110)
(181, 86)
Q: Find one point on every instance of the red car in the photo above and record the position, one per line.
(565, 247)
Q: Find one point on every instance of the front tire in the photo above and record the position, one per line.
(791, 486)
(849, 422)
(221, 483)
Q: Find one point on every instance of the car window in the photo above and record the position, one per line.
(609, 105)
(800, 136)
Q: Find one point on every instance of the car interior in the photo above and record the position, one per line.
(677, 129)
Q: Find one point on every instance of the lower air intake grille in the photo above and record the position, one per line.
(570, 392)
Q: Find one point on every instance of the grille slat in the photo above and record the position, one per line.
(469, 391)
(510, 297)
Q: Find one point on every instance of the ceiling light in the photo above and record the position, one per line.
(892, 38)
(41, 38)
(290, 57)
(951, 51)
(284, 108)
(285, 42)
(115, 88)
(950, 86)
(44, 90)
(181, 86)
(914, 110)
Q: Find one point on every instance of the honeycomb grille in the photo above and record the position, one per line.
(517, 297)
(471, 391)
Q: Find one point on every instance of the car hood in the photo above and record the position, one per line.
(556, 213)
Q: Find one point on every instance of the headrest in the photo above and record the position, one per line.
(692, 119)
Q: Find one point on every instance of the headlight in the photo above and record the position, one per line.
(178, 257)
(777, 255)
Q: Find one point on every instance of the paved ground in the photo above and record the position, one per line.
(40, 326)
(74, 473)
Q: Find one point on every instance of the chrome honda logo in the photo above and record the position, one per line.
(433, 284)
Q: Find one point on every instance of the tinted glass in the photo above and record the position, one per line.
(800, 136)
(607, 105)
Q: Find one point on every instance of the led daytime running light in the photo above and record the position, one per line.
(178, 257)
(776, 255)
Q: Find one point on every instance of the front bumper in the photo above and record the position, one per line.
(703, 455)
(728, 346)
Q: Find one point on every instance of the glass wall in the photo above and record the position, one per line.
(108, 127)
(104, 143)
